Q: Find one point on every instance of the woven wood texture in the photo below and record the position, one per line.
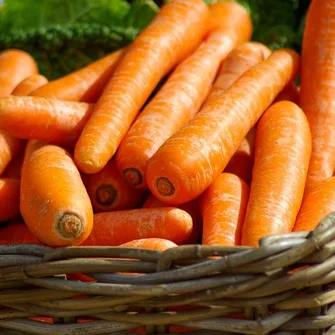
(284, 287)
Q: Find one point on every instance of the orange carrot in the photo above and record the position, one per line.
(191, 207)
(10, 147)
(282, 153)
(243, 160)
(220, 21)
(241, 59)
(54, 201)
(109, 191)
(318, 88)
(9, 198)
(84, 85)
(17, 232)
(177, 101)
(317, 203)
(190, 160)
(223, 207)
(15, 66)
(290, 93)
(115, 228)
(150, 243)
(172, 35)
(50, 120)
(14, 168)
(26, 86)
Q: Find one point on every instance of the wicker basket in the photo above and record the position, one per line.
(285, 287)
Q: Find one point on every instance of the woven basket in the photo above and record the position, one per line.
(285, 287)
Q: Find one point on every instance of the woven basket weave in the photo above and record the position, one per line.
(285, 287)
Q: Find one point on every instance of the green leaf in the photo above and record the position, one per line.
(141, 13)
(32, 14)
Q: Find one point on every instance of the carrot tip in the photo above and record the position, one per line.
(165, 187)
(106, 195)
(69, 226)
(133, 177)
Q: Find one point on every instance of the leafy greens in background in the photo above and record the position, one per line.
(65, 35)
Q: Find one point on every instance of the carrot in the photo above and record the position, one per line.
(26, 86)
(9, 198)
(223, 207)
(17, 232)
(317, 203)
(172, 35)
(115, 228)
(50, 120)
(108, 191)
(10, 147)
(282, 153)
(191, 207)
(150, 243)
(318, 88)
(54, 201)
(85, 84)
(241, 59)
(220, 21)
(15, 66)
(13, 169)
(243, 160)
(190, 160)
(290, 93)
(177, 101)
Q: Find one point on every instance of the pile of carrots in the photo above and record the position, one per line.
(191, 134)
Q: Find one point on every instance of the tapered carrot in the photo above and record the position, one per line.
(178, 100)
(115, 228)
(282, 153)
(243, 160)
(223, 207)
(191, 207)
(50, 120)
(9, 198)
(219, 21)
(190, 160)
(10, 147)
(150, 243)
(290, 93)
(173, 34)
(109, 191)
(317, 203)
(241, 59)
(85, 84)
(17, 232)
(318, 87)
(15, 66)
(54, 201)
(26, 86)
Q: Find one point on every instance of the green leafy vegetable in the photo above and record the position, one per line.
(66, 35)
